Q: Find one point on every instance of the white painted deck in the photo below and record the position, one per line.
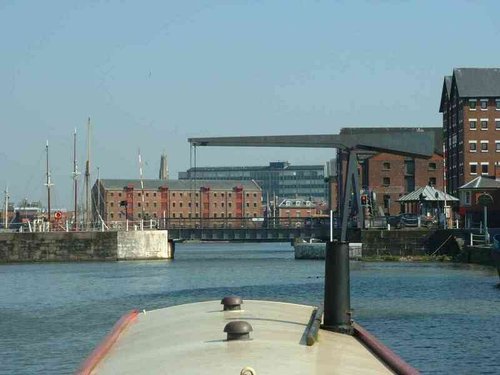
(189, 339)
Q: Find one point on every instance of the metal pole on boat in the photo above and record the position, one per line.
(337, 302)
(337, 309)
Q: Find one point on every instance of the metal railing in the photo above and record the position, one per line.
(40, 225)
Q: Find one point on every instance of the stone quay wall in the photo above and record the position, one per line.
(84, 246)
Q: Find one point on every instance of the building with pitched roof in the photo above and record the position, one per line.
(387, 177)
(471, 209)
(120, 200)
(470, 104)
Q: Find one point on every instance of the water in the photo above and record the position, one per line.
(441, 318)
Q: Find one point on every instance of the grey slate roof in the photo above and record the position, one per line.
(477, 82)
(430, 195)
(447, 82)
(119, 184)
(386, 132)
(481, 182)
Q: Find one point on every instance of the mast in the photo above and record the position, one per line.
(98, 208)
(142, 185)
(87, 179)
(6, 212)
(48, 183)
(75, 180)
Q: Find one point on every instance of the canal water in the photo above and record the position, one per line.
(441, 318)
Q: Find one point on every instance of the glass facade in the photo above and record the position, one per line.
(278, 180)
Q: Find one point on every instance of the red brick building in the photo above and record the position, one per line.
(118, 200)
(470, 104)
(391, 176)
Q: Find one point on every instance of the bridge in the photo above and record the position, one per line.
(283, 229)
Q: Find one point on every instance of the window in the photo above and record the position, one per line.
(173, 215)
(386, 181)
(467, 197)
(484, 104)
(472, 104)
(473, 168)
(154, 194)
(180, 204)
(484, 124)
(255, 195)
(387, 201)
(215, 216)
(215, 204)
(215, 195)
(154, 204)
(255, 204)
(386, 165)
(111, 204)
(472, 146)
(497, 123)
(111, 215)
(119, 194)
(484, 146)
(432, 166)
(497, 146)
(473, 124)
(111, 194)
(138, 204)
(432, 181)
(230, 204)
(147, 194)
(173, 204)
(497, 104)
(484, 168)
(297, 203)
(248, 204)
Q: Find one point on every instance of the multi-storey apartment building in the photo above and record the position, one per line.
(470, 104)
(118, 200)
(279, 179)
(391, 176)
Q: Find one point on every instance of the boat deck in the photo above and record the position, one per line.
(189, 339)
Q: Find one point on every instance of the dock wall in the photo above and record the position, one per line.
(84, 246)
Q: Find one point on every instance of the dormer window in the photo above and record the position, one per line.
(472, 104)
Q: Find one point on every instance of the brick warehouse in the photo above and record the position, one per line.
(391, 176)
(470, 104)
(118, 199)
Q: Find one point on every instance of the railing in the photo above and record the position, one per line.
(39, 225)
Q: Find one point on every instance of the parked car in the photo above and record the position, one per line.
(410, 220)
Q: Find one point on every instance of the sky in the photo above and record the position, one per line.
(151, 74)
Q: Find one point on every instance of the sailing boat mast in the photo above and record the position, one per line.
(87, 178)
(75, 180)
(48, 183)
(6, 212)
(142, 185)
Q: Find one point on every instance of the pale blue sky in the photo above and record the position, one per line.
(150, 74)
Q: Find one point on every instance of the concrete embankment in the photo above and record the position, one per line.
(395, 243)
(84, 246)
